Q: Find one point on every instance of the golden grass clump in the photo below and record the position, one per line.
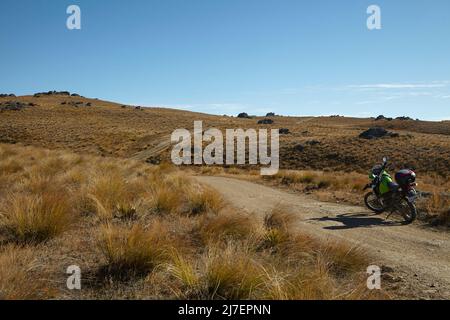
(17, 280)
(305, 272)
(36, 183)
(131, 251)
(165, 200)
(108, 192)
(227, 226)
(314, 280)
(10, 166)
(204, 200)
(322, 179)
(36, 218)
(281, 237)
(280, 218)
(184, 272)
(343, 258)
(298, 248)
(273, 239)
(310, 283)
(437, 207)
(232, 274)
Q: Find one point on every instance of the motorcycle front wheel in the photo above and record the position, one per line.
(408, 210)
(373, 203)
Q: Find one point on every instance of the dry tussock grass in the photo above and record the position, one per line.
(316, 180)
(17, 281)
(113, 195)
(204, 200)
(133, 250)
(279, 218)
(232, 274)
(35, 218)
(165, 200)
(228, 226)
(186, 273)
(343, 258)
(151, 232)
(252, 264)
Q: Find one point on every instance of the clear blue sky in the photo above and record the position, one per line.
(292, 57)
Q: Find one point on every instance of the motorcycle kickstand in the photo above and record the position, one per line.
(389, 215)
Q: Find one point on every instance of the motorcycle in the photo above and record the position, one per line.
(400, 199)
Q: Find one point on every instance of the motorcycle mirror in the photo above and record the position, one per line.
(385, 159)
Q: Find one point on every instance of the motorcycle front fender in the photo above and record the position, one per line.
(411, 196)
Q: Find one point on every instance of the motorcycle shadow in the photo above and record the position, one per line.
(358, 220)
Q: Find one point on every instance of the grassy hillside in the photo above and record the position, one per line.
(331, 143)
(71, 194)
(324, 145)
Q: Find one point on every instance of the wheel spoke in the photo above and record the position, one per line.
(375, 202)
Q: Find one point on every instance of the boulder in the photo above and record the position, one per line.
(265, 121)
(270, 114)
(403, 118)
(55, 93)
(284, 131)
(299, 148)
(12, 106)
(312, 142)
(243, 115)
(377, 132)
(381, 117)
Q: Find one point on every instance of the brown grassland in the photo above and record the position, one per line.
(331, 143)
(89, 184)
(143, 231)
(326, 148)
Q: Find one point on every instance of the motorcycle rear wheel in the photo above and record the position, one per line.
(373, 203)
(408, 210)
